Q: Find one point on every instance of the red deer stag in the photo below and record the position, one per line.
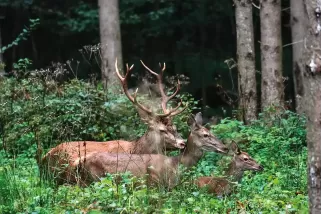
(241, 162)
(160, 168)
(161, 134)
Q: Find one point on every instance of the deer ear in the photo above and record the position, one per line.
(191, 121)
(234, 147)
(195, 121)
(198, 118)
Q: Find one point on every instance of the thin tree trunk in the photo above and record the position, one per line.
(1, 54)
(15, 32)
(310, 103)
(110, 35)
(34, 50)
(246, 60)
(271, 53)
(33, 43)
(2, 73)
(202, 53)
(298, 27)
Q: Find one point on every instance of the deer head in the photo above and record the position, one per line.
(203, 138)
(160, 127)
(243, 161)
(222, 186)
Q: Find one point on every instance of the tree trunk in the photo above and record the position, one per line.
(314, 156)
(15, 32)
(202, 70)
(298, 26)
(246, 60)
(34, 50)
(271, 54)
(1, 54)
(111, 47)
(310, 103)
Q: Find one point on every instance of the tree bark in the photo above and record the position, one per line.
(314, 156)
(246, 60)
(110, 36)
(271, 54)
(298, 26)
(310, 102)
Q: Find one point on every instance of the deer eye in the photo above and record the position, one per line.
(246, 159)
(206, 135)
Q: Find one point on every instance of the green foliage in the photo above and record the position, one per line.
(80, 110)
(80, 18)
(39, 111)
(23, 35)
(49, 113)
(181, 120)
(21, 68)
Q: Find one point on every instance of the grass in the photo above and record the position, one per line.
(280, 188)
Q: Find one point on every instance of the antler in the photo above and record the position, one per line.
(125, 87)
(164, 98)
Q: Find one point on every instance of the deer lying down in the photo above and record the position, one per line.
(159, 168)
(160, 135)
(241, 162)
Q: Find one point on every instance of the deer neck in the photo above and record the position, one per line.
(149, 143)
(234, 173)
(192, 153)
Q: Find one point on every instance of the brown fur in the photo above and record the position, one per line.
(161, 169)
(161, 135)
(241, 162)
(62, 156)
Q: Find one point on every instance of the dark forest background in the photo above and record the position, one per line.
(194, 38)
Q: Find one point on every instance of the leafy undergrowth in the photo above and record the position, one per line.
(39, 112)
(278, 143)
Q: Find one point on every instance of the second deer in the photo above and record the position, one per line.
(159, 168)
(241, 162)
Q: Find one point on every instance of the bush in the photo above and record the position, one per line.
(46, 114)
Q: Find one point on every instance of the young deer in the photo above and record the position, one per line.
(160, 169)
(241, 162)
(160, 135)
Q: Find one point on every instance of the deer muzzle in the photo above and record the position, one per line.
(181, 144)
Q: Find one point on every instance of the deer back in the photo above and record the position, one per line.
(60, 159)
(96, 164)
(214, 185)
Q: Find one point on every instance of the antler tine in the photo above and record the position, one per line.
(176, 92)
(176, 111)
(125, 87)
(164, 97)
(147, 68)
(122, 79)
(164, 66)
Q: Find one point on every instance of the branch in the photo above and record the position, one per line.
(258, 7)
(292, 43)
